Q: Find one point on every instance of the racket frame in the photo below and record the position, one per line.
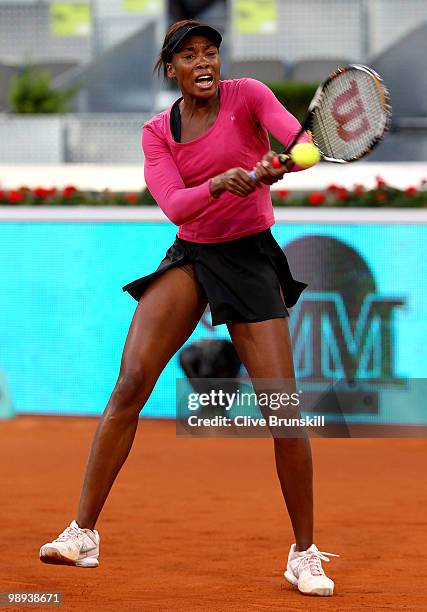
(317, 98)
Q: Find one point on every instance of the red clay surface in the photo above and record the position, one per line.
(199, 524)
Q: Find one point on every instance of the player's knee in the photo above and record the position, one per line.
(130, 392)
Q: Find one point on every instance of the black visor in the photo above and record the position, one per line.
(191, 30)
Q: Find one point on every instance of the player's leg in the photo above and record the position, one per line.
(265, 349)
(266, 352)
(165, 317)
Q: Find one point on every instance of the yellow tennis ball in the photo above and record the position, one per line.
(305, 154)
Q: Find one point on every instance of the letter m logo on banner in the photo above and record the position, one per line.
(328, 344)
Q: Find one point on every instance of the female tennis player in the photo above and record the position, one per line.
(198, 155)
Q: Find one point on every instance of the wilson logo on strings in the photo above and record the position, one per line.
(345, 117)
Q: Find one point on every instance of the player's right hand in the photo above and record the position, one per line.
(267, 174)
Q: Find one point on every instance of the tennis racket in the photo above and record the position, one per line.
(347, 117)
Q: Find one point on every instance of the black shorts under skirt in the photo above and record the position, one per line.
(241, 278)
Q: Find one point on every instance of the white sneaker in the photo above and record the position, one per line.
(74, 546)
(304, 570)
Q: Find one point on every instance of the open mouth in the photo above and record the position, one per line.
(204, 81)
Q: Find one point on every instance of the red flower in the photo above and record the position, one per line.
(15, 196)
(380, 197)
(359, 190)
(41, 193)
(342, 194)
(332, 187)
(282, 194)
(69, 191)
(411, 191)
(380, 182)
(316, 198)
(1, 195)
(131, 197)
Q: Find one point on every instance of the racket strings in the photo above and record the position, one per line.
(351, 116)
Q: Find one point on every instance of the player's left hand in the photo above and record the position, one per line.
(268, 175)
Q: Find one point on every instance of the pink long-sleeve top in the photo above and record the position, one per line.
(178, 174)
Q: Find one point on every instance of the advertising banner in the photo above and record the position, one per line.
(255, 16)
(149, 7)
(70, 19)
(64, 317)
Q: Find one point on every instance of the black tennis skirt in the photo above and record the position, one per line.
(242, 279)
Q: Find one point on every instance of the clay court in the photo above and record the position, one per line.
(199, 524)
